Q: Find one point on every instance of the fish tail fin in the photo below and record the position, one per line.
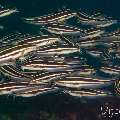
(117, 86)
(68, 41)
(16, 10)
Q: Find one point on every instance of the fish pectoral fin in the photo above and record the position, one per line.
(62, 21)
(22, 58)
(11, 62)
(67, 40)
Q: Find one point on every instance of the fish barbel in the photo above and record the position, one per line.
(58, 51)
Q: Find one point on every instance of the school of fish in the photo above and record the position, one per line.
(77, 61)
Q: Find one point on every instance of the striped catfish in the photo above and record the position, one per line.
(50, 66)
(92, 33)
(97, 22)
(83, 82)
(113, 37)
(77, 34)
(6, 88)
(112, 68)
(51, 18)
(38, 40)
(14, 73)
(6, 12)
(61, 29)
(88, 93)
(24, 47)
(107, 72)
(35, 91)
(50, 77)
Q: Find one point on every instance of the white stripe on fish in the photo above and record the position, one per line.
(51, 18)
(14, 73)
(83, 82)
(88, 93)
(58, 51)
(12, 53)
(7, 12)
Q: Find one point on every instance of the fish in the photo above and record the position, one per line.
(99, 37)
(97, 22)
(83, 82)
(38, 40)
(51, 60)
(6, 88)
(117, 87)
(35, 91)
(112, 37)
(14, 73)
(94, 44)
(112, 68)
(91, 35)
(58, 44)
(99, 47)
(107, 73)
(50, 77)
(9, 55)
(51, 18)
(77, 35)
(58, 51)
(88, 93)
(49, 66)
(7, 12)
(60, 29)
(96, 16)
(12, 53)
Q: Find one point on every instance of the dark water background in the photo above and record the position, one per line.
(53, 106)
